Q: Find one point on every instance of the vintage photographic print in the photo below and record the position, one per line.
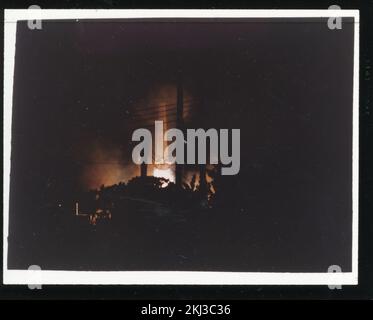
(181, 146)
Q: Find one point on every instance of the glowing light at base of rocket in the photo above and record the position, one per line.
(164, 173)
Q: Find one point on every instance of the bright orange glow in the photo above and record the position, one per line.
(103, 161)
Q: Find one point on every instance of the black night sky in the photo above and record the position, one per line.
(82, 87)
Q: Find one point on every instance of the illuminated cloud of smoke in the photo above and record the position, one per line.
(104, 166)
(104, 163)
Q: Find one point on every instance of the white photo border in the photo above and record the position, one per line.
(35, 277)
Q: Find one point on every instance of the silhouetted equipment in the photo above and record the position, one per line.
(202, 179)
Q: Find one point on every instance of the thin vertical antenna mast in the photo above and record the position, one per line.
(143, 168)
(179, 122)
